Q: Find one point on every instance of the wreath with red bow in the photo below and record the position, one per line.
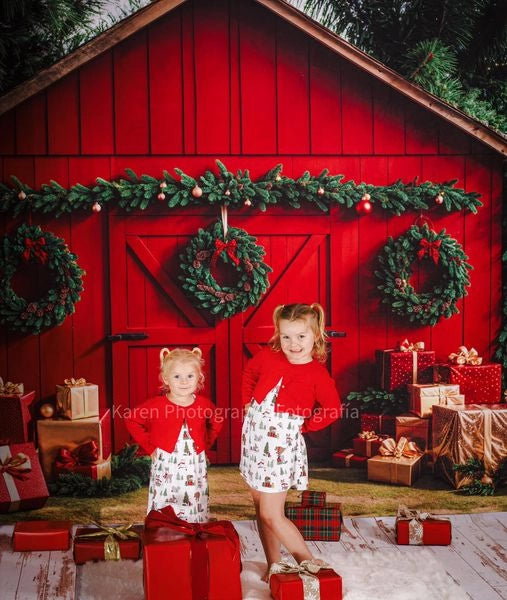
(237, 248)
(26, 244)
(396, 263)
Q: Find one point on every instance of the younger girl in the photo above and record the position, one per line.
(176, 429)
(286, 391)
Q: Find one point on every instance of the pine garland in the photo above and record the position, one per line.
(481, 484)
(501, 351)
(233, 190)
(128, 473)
(396, 270)
(379, 401)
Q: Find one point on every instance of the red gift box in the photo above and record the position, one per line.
(368, 445)
(16, 417)
(316, 522)
(177, 556)
(289, 586)
(347, 458)
(397, 369)
(22, 485)
(422, 529)
(90, 544)
(385, 424)
(480, 384)
(34, 536)
(99, 470)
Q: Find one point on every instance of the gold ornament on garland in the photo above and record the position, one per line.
(47, 410)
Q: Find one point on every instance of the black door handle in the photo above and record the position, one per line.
(126, 337)
(335, 334)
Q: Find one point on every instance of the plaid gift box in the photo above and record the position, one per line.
(313, 498)
(316, 522)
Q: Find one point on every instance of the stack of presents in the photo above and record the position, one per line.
(454, 414)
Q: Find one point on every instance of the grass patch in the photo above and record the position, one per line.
(230, 498)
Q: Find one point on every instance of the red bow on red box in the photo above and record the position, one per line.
(85, 454)
(432, 249)
(230, 247)
(35, 248)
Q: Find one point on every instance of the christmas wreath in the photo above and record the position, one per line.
(237, 248)
(30, 243)
(422, 243)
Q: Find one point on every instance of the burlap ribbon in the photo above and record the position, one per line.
(307, 571)
(415, 525)
(465, 357)
(112, 535)
(13, 467)
(398, 449)
(71, 382)
(9, 389)
(85, 454)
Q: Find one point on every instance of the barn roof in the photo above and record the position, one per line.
(290, 14)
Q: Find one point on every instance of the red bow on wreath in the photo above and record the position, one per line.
(230, 247)
(429, 248)
(85, 454)
(35, 248)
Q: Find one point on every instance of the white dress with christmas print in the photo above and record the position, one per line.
(180, 479)
(273, 450)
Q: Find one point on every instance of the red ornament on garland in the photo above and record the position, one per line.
(439, 199)
(248, 202)
(21, 195)
(161, 197)
(197, 192)
(364, 206)
(96, 207)
(321, 191)
(163, 185)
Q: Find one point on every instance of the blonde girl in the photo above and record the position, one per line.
(176, 428)
(286, 391)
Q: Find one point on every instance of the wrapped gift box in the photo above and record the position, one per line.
(422, 529)
(77, 399)
(327, 584)
(346, 458)
(480, 384)
(397, 369)
(384, 424)
(422, 398)
(22, 485)
(16, 417)
(94, 543)
(316, 522)
(31, 536)
(416, 429)
(54, 434)
(389, 469)
(97, 470)
(470, 431)
(367, 443)
(190, 560)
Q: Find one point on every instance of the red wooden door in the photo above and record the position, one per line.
(146, 298)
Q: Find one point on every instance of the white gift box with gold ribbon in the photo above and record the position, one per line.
(422, 397)
(77, 399)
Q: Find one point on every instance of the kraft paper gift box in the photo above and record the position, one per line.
(346, 458)
(464, 432)
(418, 528)
(416, 429)
(107, 543)
(77, 399)
(397, 369)
(384, 424)
(298, 582)
(398, 462)
(22, 485)
(32, 536)
(54, 434)
(480, 384)
(190, 560)
(315, 518)
(16, 417)
(422, 398)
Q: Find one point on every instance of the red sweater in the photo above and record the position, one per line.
(307, 390)
(157, 423)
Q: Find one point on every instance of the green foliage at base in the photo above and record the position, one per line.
(379, 401)
(128, 473)
(481, 484)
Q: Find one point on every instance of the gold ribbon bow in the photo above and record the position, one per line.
(307, 570)
(465, 357)
(415, 526)
(112, 535)
(368, 435)
(18, 466)
(406, 346)
(402, 448)
(9, 388)
(74, 382)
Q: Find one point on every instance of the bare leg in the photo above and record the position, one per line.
(270, 543)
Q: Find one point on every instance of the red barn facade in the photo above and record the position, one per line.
(252, 83)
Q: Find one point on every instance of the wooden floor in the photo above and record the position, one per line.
(476, 559)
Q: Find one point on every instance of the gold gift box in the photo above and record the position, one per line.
(422, 398)
(77, 401)
(470, 431)
(414, 428)
(401, 471)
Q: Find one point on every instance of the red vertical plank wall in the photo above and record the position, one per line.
(231, 80)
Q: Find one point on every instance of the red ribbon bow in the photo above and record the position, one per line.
(18, 466)
(429, 248)
(166, 518)
(85, 454)
(230, 247)
(35, 248)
